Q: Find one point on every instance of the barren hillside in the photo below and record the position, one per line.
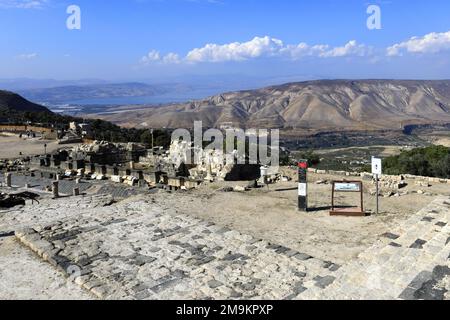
(320, 105)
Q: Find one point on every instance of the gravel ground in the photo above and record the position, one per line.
(11, 146)
(23, 276)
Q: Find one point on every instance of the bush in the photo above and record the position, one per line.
(432, 161)
(313, 159)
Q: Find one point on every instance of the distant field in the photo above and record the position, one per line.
(354, 158)
(437, 137)
(12, 146)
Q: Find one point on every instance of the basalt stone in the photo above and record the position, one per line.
(391, 236)
(140, 287)
(300, 274)
(282, 250)
(62, 263)
(291, 296)
(394, 244)
(273, 247)
(100, 256)
(235, 256)
(302, 256)
(420, 279)
(440, 272)
(408, 294)
(142, 295)
(418, 244)
(430, 291)
(299, 288)
(6, 234)
(164, 285)
(205, 260)
(84, 261)
(65, 236)
(323, 282)
(290, 253)
(334, 267)
(140, 260)
(213, 284)
(234, 294)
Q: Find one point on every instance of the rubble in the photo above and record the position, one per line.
(17, 199)
(423, 184)
(240, 189)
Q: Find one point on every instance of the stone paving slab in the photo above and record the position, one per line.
(65, 186)
(49, 210)
(136, 250)
(412, 262)
(115, 190)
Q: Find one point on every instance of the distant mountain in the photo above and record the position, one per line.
(17, 84)
(313, 105)
(13, 103)
(72, 93)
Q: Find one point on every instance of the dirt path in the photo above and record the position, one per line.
(23, 276)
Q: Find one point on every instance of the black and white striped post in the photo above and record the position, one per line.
(302, 185)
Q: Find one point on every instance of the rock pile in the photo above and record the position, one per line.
(390, 186)
(12, 200)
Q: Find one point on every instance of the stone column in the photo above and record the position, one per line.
(55, 189)
(8, 180)
(76, 192)
(132, 165)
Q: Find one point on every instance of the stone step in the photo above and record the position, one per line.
(390, 269)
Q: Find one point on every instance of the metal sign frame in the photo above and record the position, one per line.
(377, 170)
(303, 185)
(353, 212)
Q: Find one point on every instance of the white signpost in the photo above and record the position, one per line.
(377, 170)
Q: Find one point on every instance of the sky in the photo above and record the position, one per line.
(124, 40)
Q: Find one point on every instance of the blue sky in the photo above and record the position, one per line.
(164, 39)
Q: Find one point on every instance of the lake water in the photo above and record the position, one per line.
(157, 99)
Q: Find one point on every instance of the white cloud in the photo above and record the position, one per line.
(352, 48)
(236, 51)
(23, 4)
(155, 56)
(27, 56)
(171, 58)
(151, 56)
(431, 43)
(258, 47)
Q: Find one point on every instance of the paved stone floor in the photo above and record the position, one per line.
(25, 277)
(412, 262)
(38, 184)
(139, 249)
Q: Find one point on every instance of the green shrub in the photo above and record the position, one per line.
(433, 161)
